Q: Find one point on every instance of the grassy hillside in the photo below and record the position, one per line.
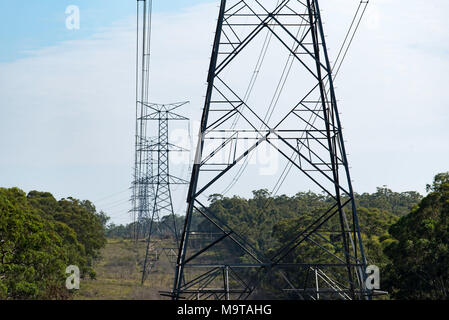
(119, 274)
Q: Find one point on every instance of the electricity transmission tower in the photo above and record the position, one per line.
(294, 113)
(162, 206)
(142, 187)
(152, 205)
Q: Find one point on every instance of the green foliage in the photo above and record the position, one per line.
(396, 203)
(31, 256)
(82, 227)
(39, 238)
(269, 223)
(163, 228)
(82, 218)
(119, 231)
(420, 253)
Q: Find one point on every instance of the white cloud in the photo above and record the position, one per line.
(67, 112)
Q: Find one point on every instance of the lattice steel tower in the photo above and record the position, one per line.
(142, 192)
(152, 205)
(143, 188)
(295, 117)
(162, 206)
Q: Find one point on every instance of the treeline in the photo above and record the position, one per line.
(164, 228)
(270, 224)
(419, 253)
(40, 237)
(397, 203)
(384, 199)
(405, 234)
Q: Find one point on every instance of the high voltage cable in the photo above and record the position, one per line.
(289, 165)
(278, 95)
(143, 43)
(110, 196)
(113, 205)
(253, 80)
(185, 288)
(272, 106)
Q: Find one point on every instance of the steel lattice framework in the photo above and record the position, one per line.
(152, 206)
(162, 206)
(142, 186)
(304, 128)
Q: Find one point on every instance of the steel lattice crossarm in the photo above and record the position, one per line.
(290, 108)
(164, 111)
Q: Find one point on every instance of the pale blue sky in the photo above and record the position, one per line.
(34, 24)
(67, 97)
(45, 138)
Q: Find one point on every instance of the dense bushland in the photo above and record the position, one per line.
(40, 237)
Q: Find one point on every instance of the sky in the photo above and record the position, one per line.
(67, 97)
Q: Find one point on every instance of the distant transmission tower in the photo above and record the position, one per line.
(144, 188)
(152, 205)
(162, 205)
(142, 178)
(301, 124)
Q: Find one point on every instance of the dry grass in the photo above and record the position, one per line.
(119, 274)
